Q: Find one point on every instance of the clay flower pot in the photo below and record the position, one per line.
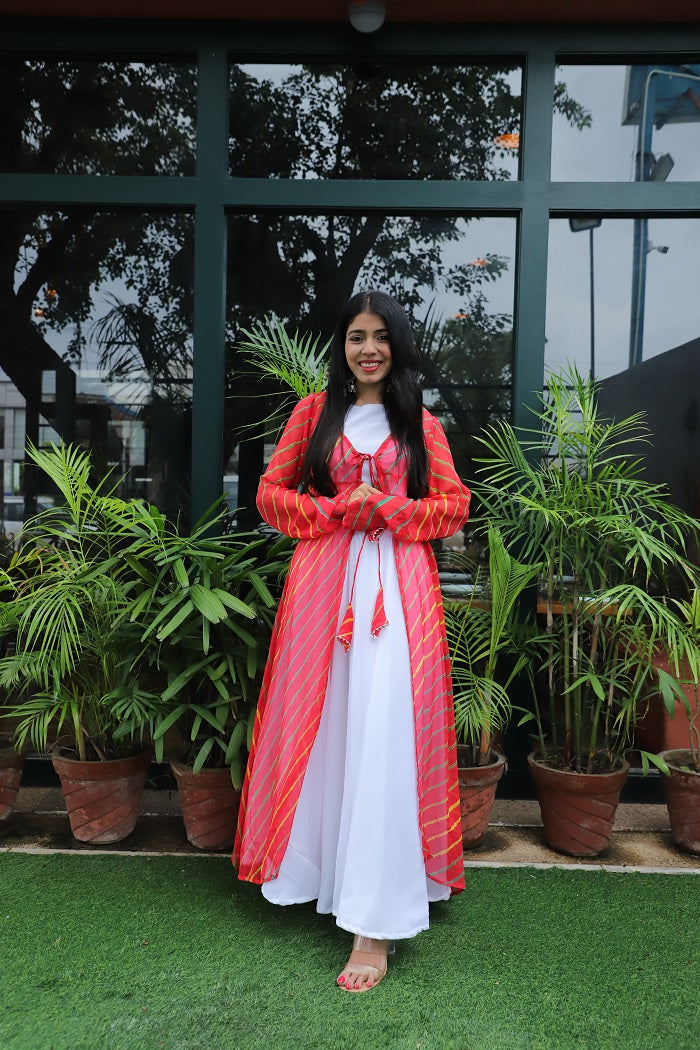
(102, 798)
(477, 790)
(578, 809)
(11, 763)
(209, 805)
(683, 800)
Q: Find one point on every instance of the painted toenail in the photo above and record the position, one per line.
(341, 979)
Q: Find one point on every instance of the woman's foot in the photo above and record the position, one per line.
(366, 966)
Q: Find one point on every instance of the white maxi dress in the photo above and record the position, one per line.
(355, 841)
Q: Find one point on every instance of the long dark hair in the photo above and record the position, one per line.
(403, 397)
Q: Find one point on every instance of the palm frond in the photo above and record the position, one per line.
(299, 362)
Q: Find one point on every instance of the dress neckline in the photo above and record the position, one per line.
(346, 439)
(366, 455)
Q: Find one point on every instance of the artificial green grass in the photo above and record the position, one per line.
(136, 953)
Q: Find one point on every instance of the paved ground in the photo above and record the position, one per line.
(641, 839)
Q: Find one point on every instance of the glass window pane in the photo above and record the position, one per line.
(622, 303)
(627, 123)
(97, 116)
(97, 344)
(454, 275)
(375, 120)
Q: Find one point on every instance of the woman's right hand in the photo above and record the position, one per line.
(362, 492)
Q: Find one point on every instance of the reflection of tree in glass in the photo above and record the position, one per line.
(66, 117)
(369, 121)
(136, 343)
(467, 364)
(467, 360)
(97, 117)
(365, 121)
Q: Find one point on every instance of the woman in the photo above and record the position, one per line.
(351, 795)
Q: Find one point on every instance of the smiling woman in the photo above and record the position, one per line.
(352, 778)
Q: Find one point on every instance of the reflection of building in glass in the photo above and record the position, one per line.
(12, 408)
(106, 416)
(667, 389)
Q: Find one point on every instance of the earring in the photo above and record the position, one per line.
(350, 387)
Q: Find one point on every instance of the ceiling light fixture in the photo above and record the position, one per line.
(366, 16)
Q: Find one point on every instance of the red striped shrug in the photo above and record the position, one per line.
(296, 673)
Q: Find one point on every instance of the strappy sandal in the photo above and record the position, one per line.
(364, 949)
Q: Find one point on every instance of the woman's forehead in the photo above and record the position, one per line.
(367, 321)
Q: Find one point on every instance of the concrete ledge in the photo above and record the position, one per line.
(641, 839)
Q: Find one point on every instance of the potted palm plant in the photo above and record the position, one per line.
(485, 633)
(71, 670)
(570, 493)
(206, 608)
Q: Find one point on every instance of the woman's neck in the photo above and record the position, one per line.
(372, 396)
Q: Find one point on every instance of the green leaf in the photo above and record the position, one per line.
(181, 573)
(207, 603)
(172, 625)
(656, 760)
(169, 720)
(236, 741)
(237, 772)
(234, 603)
(262, 589)
(203, 754)
(205, 715)
(178, 683)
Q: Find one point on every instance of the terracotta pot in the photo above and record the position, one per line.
(102, 798)
(477, 790)
(578, 809)
(683, 800)
(11, 764)
(209, 804)
(656, 730)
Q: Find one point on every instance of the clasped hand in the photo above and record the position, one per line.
(362, 492)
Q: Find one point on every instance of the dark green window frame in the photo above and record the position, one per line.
(533, 199)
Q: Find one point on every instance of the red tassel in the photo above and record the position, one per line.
(345, 633)
(379, 619)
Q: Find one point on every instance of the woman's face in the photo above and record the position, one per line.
(368, 354)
